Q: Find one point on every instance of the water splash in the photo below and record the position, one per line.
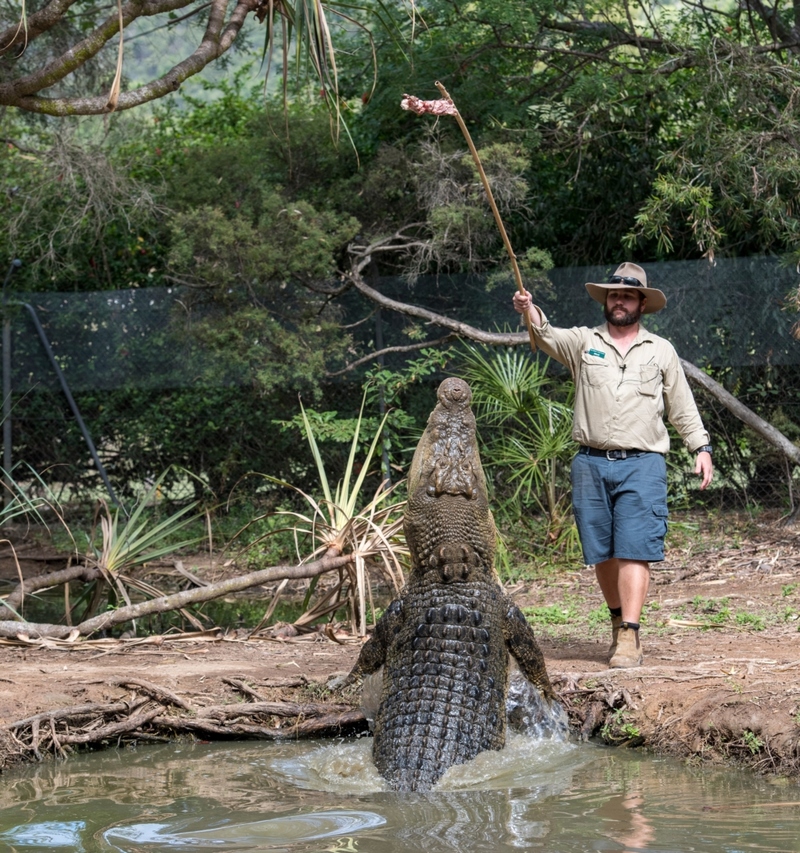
(529, 714)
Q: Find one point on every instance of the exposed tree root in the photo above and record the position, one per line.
(596, 708)
(159, 714)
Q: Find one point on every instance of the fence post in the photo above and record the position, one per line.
(8, 461)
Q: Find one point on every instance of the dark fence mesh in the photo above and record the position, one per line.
(140, 382)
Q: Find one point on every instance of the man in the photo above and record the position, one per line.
(626, 379)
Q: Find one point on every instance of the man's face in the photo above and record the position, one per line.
(624, 307)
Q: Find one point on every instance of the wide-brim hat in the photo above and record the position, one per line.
(632, 276)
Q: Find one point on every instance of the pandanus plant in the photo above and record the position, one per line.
(128, 542)
(340, 521)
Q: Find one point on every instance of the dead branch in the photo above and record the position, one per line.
(768, 432)
(374, 356)
(272, 709)
(34, 584)
(74, 713)
(244, 689)
(145, 718)
(154, 691)
(167, 603)
(113, 729)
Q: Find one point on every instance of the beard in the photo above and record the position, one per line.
(620, 317)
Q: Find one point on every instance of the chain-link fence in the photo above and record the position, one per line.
(107, 390)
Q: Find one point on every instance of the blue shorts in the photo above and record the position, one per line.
(620, 506)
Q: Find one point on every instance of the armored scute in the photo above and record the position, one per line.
(444, 643)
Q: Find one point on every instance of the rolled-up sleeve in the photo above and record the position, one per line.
(564, 345)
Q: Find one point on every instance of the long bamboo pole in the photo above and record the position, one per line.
(449, 108)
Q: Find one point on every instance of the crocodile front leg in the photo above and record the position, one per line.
(521, 643)
(373, 653)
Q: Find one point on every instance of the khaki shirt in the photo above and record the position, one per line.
(620, 401)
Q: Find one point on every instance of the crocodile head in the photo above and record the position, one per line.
(448, 525)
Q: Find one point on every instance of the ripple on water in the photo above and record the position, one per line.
(311, 797)
(274, 831)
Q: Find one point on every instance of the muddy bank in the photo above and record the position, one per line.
(720, 682)
(710, 699)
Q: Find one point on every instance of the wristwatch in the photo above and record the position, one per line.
(706, 448)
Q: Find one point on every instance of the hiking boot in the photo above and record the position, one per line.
(616, 622)
(629, 650)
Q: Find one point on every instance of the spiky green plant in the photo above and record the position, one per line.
(531, 442)
(340, 521)
(126, 543)
(17, 504)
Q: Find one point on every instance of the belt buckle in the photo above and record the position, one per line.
(611, 455)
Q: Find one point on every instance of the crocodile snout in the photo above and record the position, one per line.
(454, 392)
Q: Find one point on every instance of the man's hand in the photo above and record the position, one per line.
(523, 303)
(704, 468)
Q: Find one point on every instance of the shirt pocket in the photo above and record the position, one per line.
(649, 380)
(594, 371)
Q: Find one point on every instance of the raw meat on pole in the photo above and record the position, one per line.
(445, 107)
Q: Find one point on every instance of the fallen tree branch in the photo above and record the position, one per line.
(145, 718)
(154, 691)
(272, 709)
(244, 689)
(765, 429)
(166, 603)
(112, 729)
(75, 712)
(14, 600)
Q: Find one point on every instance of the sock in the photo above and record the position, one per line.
(615, 611)
(633, 625)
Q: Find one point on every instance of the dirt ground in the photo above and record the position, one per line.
(720, 680)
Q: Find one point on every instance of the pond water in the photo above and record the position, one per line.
(558, 797)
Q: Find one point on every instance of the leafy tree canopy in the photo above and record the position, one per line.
(670, 129)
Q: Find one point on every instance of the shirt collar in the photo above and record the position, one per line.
(641, 336)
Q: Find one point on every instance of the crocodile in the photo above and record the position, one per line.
(444, 642)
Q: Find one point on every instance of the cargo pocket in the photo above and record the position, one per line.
(661, 513)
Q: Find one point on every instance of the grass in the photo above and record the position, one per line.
(552, 614)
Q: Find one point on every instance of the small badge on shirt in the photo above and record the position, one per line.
(596, 352)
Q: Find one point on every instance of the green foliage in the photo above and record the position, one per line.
(139, 539)
(712, 612)
(529, 418)
(681, 146)
(286, 241)
(338, 521)
(74, 212)
(752, 741)
(618, 728)
(599, 617)
(392, 391)
(251, 309)
(749, 620)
